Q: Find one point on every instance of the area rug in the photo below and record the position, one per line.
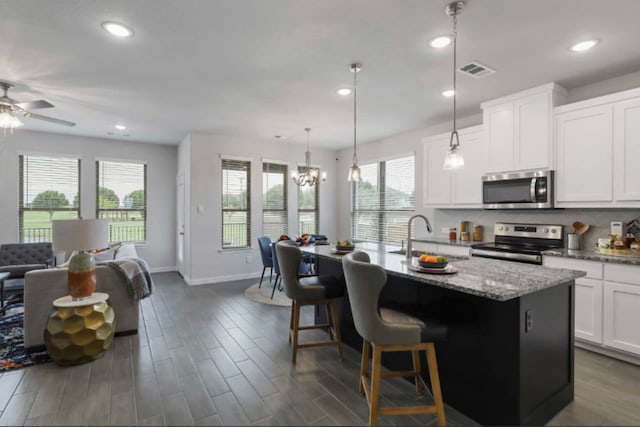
(12, 354)
(263, 295)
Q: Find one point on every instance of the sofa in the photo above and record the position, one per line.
(42, 287)
(19, 258)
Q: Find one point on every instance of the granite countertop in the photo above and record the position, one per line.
(591, 255)
(488, 278)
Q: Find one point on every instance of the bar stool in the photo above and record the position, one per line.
(315, 290)
(388, 330)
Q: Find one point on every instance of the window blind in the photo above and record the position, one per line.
(49, 189)
(308, 202)
(121, 199)
(236, 204)
(275, 216)
(383, 202)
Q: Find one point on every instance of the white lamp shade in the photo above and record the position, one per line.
(80, 234)
(454, 159)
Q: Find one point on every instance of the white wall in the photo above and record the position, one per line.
(159, 251)
(208, 263)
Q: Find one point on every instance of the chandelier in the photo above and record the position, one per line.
(310, 175)
(454, 159)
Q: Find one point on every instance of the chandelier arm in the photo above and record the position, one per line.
(355, 96)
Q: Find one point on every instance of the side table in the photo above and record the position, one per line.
(79, 331)
(3, 276)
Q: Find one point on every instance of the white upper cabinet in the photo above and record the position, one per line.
(598, 147)
(626, 150)
(519, 131)
(459, 188)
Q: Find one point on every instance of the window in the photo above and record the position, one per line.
(308, 213)
(236, 204)
(275, 218)
(383, 201)
(121, 198)
(49, 189)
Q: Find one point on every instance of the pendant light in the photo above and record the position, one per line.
(354, 170)
(310, 175)
(454, 159)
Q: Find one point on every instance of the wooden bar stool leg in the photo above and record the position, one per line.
(435, 383)
(296, 326)
(375, 385)
(416, 368)
(327, 309)
(293, 307)
(336, 326)
(364, 364)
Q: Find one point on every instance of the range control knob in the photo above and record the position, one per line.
(553, 230)
(545, 230)
(500, 228)
(506, 228)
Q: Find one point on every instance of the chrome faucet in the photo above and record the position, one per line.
(409, 245)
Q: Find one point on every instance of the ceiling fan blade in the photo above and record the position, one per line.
(33, 105)
(49, 119)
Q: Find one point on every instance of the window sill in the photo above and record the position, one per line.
(235, 250)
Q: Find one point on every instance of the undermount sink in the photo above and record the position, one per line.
(417, 253)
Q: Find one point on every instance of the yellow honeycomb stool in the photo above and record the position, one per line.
(79, 331)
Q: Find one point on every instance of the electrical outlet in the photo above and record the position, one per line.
(528, 320)
(248, 259)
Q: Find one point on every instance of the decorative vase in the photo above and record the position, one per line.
(82, 275)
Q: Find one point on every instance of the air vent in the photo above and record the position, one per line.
(476, 70)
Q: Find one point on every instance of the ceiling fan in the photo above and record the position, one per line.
(12, 108)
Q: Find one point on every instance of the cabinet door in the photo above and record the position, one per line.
(588, 318)
(498, 122)
(532, 121)
(467, 183)
(437, 181)
(626, 131)
(585, 149)
(622, 316)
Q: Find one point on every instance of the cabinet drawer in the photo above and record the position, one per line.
(592, 268)
(622, 273)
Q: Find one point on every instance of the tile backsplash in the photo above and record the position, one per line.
(598, 219)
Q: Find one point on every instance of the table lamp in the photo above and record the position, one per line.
(80, 235)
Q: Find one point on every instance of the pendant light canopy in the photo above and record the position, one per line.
(354, 170)
(454, 159)
(310, 175)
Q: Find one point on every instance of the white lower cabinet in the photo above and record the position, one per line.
(588, 317)
(607, 303)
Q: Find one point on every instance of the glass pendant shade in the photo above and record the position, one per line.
(9, 121)
(454, 159)
(354, 173)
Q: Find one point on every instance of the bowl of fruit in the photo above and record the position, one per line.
(432, 261)
(345, 246)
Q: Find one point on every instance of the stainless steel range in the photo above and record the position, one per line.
(521, 242)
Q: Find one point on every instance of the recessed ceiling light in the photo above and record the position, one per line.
(448, 93)
(584, 45)
(440, 42)
(120, 127)
(344, 91)
(117, 30)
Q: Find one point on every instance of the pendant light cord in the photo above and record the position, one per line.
(454, 133)
(355, 95)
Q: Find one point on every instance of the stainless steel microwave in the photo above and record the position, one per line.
(518, 190)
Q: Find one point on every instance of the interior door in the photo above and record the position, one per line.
(180, 225)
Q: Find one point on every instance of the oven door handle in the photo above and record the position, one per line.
(532, 189)
(506, 255)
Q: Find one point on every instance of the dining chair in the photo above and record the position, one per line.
(264, 243)
(385, 330)
(316, 291)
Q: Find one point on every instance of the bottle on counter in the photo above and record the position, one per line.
(628, 240)
(477, 233)
(465, 237)
(464, 227)
(452, 234)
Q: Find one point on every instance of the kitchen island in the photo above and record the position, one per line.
(508, 357)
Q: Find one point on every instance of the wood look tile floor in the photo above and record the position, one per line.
(206, 355)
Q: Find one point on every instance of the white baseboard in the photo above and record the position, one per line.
(609, 352)
(219, 279)
(163, 269)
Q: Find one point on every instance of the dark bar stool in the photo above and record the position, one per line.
(315, 290)
(389, 330)
(264, 243)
